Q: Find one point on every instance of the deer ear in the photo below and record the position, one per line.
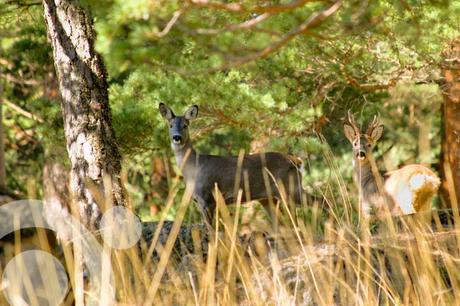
(350, 132)
(166, 112)
(191, 113)
(376, 133)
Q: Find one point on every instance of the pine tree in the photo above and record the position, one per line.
(91, 144)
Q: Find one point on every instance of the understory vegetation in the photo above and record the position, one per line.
(262, 84)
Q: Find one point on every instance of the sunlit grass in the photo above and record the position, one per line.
(320, 254)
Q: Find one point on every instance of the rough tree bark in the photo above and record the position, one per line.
(56, 193)
(451, 115)
(159, 182)
(2, 146)
(90, 139)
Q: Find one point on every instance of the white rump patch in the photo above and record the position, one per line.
(417, 181)
(404, 199)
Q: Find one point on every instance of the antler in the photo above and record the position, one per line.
(375, 123)
(352, 122)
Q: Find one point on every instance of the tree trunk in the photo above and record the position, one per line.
(2, 146)
(5, 195)
(90, 139)
(159, 180)
(56, 194)
(451, 116)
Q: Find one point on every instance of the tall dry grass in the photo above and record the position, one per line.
(319, 254)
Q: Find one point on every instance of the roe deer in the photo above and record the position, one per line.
(407, 190)
(204, 171)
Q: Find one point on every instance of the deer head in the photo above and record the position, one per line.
(362, 143)
(178, 125)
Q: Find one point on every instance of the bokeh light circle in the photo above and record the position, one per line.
(34, 278)
(120, 228)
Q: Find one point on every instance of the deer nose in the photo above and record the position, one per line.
(177, 138)
(361, 154)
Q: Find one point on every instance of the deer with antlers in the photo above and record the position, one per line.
(407, 190)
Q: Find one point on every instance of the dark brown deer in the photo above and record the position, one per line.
(407, 190)
(202, 171)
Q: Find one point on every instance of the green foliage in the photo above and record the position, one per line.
(29, 84)
(281, 102)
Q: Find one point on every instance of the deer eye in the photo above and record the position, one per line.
(170, 126)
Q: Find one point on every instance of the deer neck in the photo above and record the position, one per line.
(365, 179)
(187, 160)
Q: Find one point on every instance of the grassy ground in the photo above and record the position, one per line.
(320, 254)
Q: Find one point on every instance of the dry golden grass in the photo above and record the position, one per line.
(331, 258)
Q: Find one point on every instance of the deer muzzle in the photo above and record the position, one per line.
(176, 139)
(361, 155)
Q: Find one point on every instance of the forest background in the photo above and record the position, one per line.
(80, 85)
(273, 79)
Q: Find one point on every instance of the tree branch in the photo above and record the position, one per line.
(314, 21)
(239, 8)
(22, 111)
(234, 27)
(170, 24)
